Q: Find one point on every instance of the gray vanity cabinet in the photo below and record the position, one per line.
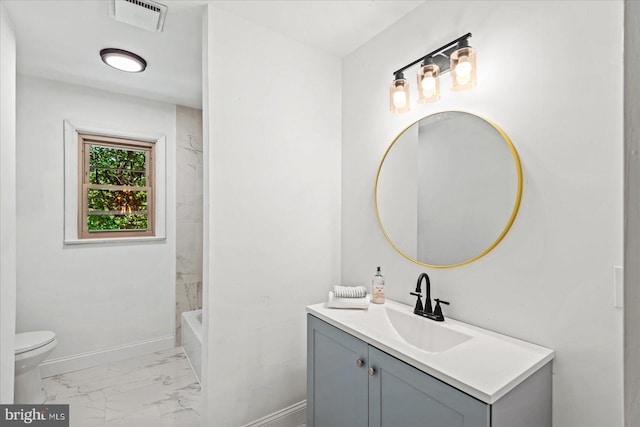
(337, 380)
(401, 395)
(350, 383)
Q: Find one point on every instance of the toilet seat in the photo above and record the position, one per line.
(28, 341)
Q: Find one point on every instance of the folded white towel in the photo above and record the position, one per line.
(335, 302)
(349, 291)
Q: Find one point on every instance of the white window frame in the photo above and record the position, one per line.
(71, 171)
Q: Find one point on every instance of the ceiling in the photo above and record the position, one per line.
(60, 39)
(336, 27)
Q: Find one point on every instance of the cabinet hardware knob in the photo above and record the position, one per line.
(360, 363)
(372, 371)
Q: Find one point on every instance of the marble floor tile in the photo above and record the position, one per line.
(157, 389)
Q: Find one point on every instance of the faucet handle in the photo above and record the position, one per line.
(419, 308)
(437, 311)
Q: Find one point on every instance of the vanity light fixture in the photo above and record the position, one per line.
(123, 60)
(463, 67)
(456, 56)
(399, 94)
(428, 81)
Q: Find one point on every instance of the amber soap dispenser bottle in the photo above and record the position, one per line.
(377, 288)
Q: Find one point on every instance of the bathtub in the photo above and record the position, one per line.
(192, 339)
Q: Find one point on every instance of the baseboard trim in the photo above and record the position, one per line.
(62, 365)
(195, 374)
(279, 415)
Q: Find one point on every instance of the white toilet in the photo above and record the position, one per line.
(31, 349)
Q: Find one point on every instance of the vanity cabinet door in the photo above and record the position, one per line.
(337, 380)
(402, 396)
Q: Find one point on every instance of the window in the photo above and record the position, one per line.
(116, 187)
(124, 159)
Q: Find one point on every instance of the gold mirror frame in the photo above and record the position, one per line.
(514, 212)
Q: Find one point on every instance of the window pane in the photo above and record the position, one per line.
(117, 166)
(117, 210)
(113, 222)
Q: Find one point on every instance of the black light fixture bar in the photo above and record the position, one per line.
(440, 56)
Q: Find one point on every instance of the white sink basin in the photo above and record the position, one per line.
(423, 333)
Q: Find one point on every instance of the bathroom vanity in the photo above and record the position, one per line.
(386, 366)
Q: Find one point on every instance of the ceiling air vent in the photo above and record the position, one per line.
(146, 14)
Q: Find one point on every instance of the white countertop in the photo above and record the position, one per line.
(487, 366)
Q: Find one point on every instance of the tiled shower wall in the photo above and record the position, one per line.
(188, 213)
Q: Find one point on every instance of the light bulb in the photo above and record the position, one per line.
(428, 86)
(463, 70)
(399, 98)
(399, 95)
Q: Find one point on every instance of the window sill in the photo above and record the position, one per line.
(114, 240)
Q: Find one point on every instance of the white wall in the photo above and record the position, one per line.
(7, 205)
(93, 296)
(632, 212)
(550, 280)
(272, 121)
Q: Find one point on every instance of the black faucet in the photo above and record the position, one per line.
(427, 311)
(418, 292)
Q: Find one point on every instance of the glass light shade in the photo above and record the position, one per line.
(428, 83)
(399, 96)
(123, 60)
(463, 69)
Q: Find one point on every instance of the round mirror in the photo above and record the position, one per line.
(448, 189)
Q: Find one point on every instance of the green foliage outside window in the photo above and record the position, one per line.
(115, 208)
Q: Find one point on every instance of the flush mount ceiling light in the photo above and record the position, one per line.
(123, 60)
(456, 56)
